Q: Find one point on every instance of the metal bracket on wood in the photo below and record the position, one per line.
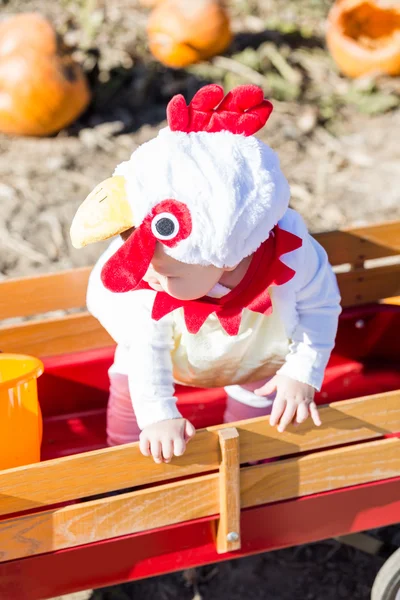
(228, 530)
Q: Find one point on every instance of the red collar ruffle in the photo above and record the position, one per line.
(265, 269)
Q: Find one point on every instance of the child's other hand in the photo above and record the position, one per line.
(294, 401)
(166, 439)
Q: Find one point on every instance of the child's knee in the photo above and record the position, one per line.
(243, 404)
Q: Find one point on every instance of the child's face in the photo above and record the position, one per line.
(179, 280)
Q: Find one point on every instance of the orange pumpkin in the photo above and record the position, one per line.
(183, 32)
(363, 37)
(42, 89)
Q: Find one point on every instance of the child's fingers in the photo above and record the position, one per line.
(179, 446)
(144, 446)
(287, 417)
(278, 408)
(155, 446)
(167, 449)
(302, 413)
(189, 431)
(315, 414)
(266, 389)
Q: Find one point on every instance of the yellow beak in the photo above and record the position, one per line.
(105, 212)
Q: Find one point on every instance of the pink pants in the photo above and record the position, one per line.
(122, 427)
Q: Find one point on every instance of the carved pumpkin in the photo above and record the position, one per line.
(183, 32)
(363, 36)
(42, 89)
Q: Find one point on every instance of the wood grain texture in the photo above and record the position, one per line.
(43, 293)
(103, 519)
(101, 471)
(358, 244)
(195, 498)
(342, 422)
(73, 333)
(229, 491)
(91, 473)
(369, 285)
(320, 472)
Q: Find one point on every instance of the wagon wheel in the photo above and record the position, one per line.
(387, 583)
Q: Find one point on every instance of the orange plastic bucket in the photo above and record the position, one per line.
(20, 416)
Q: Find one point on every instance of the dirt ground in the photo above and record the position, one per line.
(335, 137)
(338, 146)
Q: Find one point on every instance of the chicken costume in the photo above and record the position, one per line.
(212, 194)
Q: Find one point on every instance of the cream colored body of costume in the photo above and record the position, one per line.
(212, 358)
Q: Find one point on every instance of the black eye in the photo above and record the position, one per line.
(165, 226)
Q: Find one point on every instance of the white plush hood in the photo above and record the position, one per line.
(231, 184)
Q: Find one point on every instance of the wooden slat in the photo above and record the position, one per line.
(358, 244)
(320, 472)
(102, 519)
(101, 471)
(43, 293)
(228, 528)
(157, 507)
(49, 337)
(369, 285)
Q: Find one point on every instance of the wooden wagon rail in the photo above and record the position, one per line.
(194, 498)
(200, 490)
(106, 470)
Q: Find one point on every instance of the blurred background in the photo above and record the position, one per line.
(84, 82)
(336, 134)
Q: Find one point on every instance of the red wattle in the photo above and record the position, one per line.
(125, 270)
(265, 270)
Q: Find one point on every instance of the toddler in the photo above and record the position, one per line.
(211, 281)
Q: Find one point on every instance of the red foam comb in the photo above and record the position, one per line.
(244, 110)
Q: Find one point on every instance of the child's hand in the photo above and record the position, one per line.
(294, 401)
(165, 439)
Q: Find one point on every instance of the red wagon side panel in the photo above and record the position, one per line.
(192, 544)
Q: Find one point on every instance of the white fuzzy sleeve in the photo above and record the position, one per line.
(150, 373)
(317, 302)
(144, 345)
